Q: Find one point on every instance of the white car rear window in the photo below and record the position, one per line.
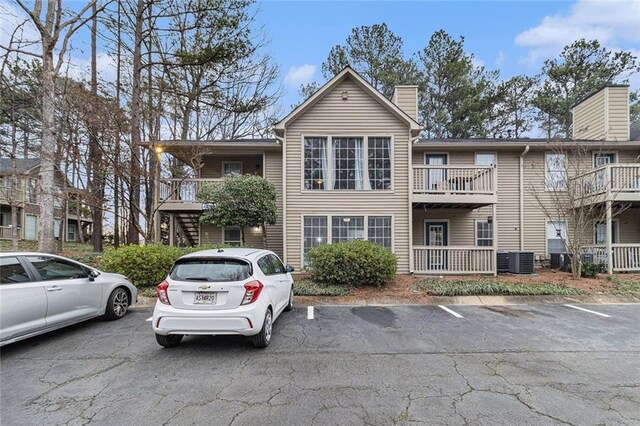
(211, 270)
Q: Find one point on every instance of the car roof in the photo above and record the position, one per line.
(29, 253)
(237, 253)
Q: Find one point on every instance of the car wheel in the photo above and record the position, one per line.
(290, 304)
(117, 304)
(169, 341)
(262, 339)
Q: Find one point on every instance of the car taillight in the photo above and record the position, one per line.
(253, 291)
(163, 296)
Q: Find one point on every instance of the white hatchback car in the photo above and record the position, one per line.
(237, 291)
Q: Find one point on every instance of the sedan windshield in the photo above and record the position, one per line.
(211, 270)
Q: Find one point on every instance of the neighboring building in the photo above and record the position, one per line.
(349, 164)
(24, 196)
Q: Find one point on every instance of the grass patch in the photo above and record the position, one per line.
(307, 287)
(626, 287)
(491, 288)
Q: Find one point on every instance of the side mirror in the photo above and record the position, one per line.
(93, 274)
(289, 268)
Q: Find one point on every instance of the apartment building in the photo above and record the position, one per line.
(350, 164)
(70, 216)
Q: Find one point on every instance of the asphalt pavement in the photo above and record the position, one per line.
(515, 364)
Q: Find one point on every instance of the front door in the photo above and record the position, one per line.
(435, 177)
(436, 235)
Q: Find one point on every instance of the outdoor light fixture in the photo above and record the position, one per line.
(345, 95)
(319, 239)
(489, 219)
(346, 219)
(158, 149)
(558, 233)
(319, 181)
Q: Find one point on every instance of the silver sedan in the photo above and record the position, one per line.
(42, 292)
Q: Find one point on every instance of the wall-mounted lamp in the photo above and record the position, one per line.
(158, 149)
(489, 219)
(345, 95)
(346, 219)
(558, 233)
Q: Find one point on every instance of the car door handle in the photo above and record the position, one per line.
(54, 288)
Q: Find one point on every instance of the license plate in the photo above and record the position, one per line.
(205, 298)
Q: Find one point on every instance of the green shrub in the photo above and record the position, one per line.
(593, 269)
(145, 266)
(307, 287)
(492, 288)
(355, 263)
(90, 259)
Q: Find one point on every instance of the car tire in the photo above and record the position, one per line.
(170, 340)
(262, 339)
(290, 304)
(117, 304)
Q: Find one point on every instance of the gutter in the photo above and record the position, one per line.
(526, 150)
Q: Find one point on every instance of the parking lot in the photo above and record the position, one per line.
(534, 364)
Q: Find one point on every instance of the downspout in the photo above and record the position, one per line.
(526, 150)
(284, 199)
(411, 142)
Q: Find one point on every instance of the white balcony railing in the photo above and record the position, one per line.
(5, 232)
(625, 257)
(615, 178)
(467, 180)
(181, 190)
(453, 260)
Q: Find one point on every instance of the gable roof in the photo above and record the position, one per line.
(22, 164)
(348, 72)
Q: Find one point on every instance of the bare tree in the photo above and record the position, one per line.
(576, 194)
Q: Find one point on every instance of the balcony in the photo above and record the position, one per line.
(613, 182)
(9, 194)
(442, 260)
(454, 186)
(5, 232)
(181, 194)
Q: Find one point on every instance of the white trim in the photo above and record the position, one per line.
(424, 157)
(475, 157)
(594, 154)
(566, 172)
(475, 231)
(424, 230)
(546, 239)
(595, 228)
(37, 226)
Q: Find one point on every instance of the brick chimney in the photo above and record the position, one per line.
(603, 114)
(406, 98)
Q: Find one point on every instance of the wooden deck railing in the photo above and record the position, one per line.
(445, 179)
(626, 257)
(453, 260)
(615, 178)
(182, 190)
(5, 232)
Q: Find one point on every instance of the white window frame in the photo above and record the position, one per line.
(546, 238)
(495, 157)
(35, 191)
(475, 231)
(36, 226)
(366, 186)
(224, 163)
(330, 216)
(546, 171)
(594, 154)
(231, 242)
(595, 230)
(75, 227)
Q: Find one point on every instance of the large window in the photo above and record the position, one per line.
(556, 237)
(30, 227)
(380, 230)
(379, 154)
(347, 158)
(485, 158)
(338, 163)
(320, 230)
(484, 233)
(315, 234)
(231, 168)
(347, 228)
(232, 235)
(556, 171)
(315, 163)
(32, 191)
(71, 232)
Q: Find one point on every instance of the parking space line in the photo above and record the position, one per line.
(455, 314)
(588, 310)
(310, 312)
(149, 319)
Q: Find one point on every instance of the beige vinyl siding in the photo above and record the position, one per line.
(212, 165)
(360, 115)
(618, 114)
(273, 173)
(589, 118)
(629, 226)
(214, 235)
(406, 97)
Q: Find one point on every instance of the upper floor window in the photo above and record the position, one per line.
(555, 170)
(486, 159)
(339, 163)
(32, 191)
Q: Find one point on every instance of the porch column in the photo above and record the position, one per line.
(494, 218)
(609, 237)
(156, 204)
(172, 230)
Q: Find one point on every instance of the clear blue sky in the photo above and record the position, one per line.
(514, 36)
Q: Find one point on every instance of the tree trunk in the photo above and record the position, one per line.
(96, 180)
(46, 241)
(134, 196)
(116, 154)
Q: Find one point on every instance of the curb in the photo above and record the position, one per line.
(592, 299)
